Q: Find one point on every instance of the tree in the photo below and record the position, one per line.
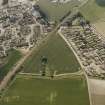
(43, 65)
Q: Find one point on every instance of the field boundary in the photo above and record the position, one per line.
(58, 76)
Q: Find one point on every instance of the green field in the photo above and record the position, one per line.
(60, 58)
(10, 60)
(28, 91)
(93, 11)
(56, 11)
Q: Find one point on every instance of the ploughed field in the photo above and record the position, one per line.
(32, 91)
(60, 58)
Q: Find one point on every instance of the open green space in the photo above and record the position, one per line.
(93, 10)
(31, 91)
(10, 60)
(55, 11)
(60, 57)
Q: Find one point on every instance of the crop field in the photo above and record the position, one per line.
(32, 91)
(55, 11)
(60, 57)
(11, 59)
(94, 10)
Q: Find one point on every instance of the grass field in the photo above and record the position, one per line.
(60, 58)
(11, 59)
(56, 11)
(93, 11)
(28, 91)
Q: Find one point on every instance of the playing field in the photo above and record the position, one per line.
(60, 58)
(10, 60)
(28, 91)
(93, 11)
(56, 11)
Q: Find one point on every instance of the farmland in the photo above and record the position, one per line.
(55, 11)
(60, 57)
(93, 10)
(30, 91)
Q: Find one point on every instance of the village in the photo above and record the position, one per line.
(21, 25)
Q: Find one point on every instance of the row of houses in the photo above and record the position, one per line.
(89, 47)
